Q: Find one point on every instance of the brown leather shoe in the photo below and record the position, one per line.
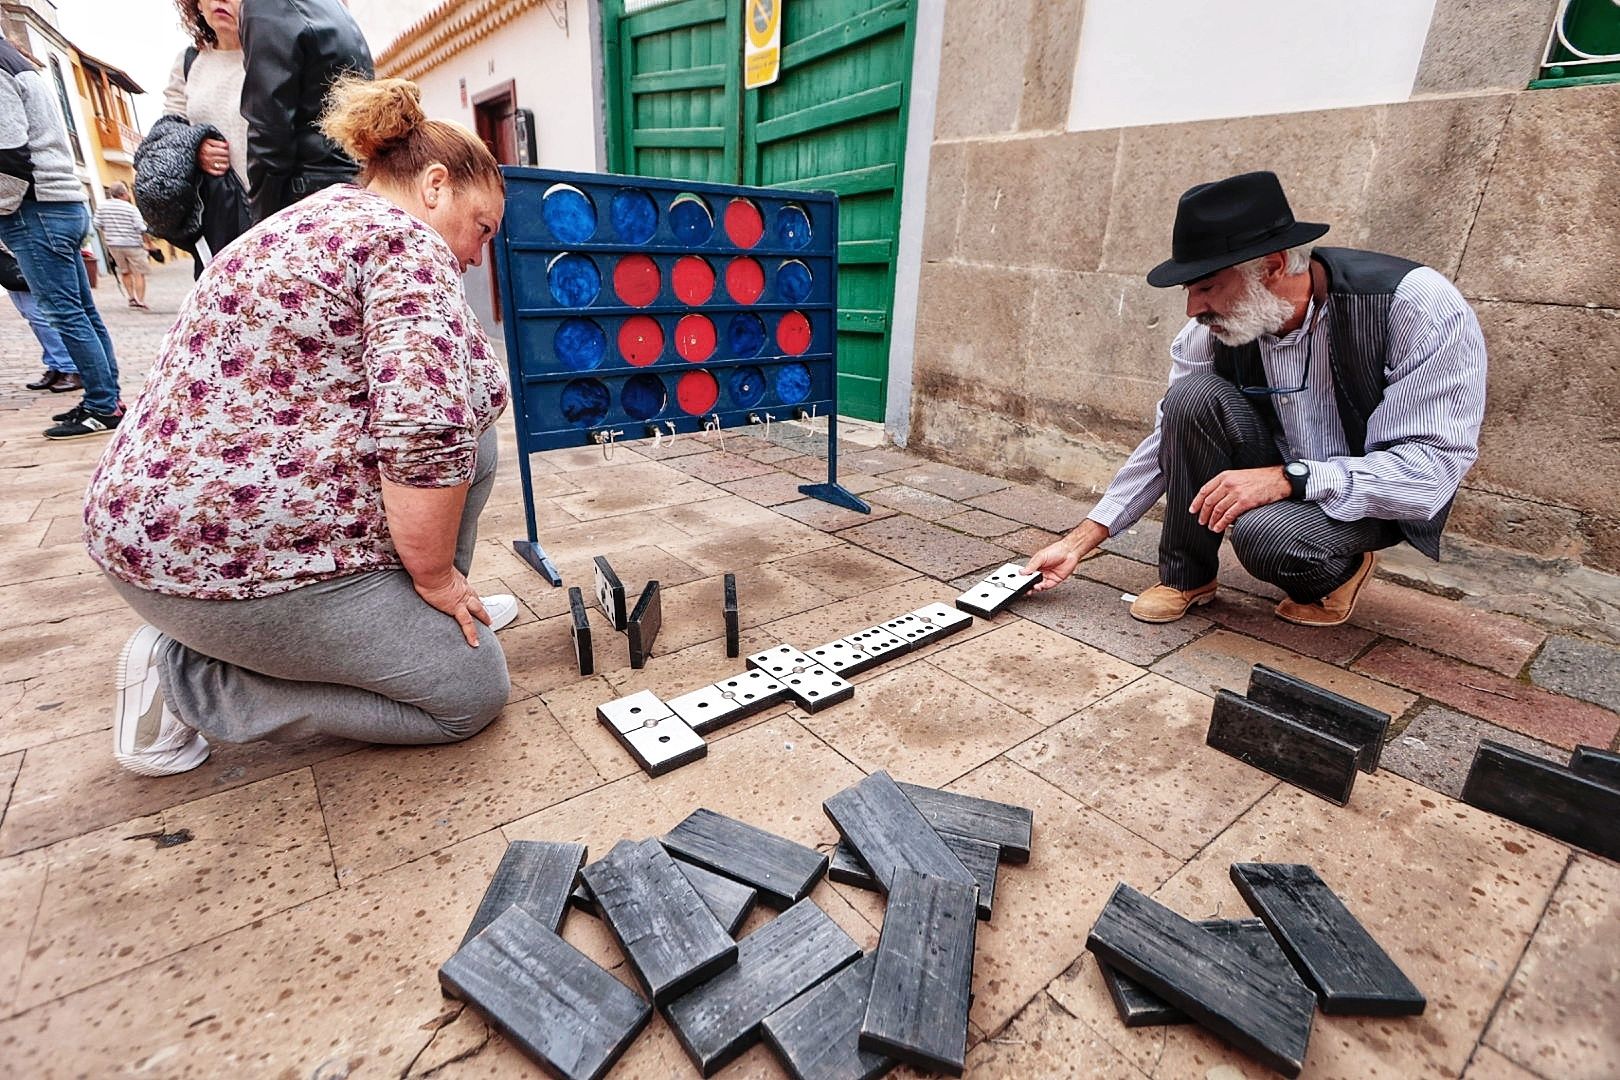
(1164, 604)
(45, 381)
(68, 383)
(1336, 606)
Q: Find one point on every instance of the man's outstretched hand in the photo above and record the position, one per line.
(1057, 561)
(1237, 491)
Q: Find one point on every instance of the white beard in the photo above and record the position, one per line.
(1258, 311)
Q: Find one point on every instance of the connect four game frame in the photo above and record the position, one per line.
(636, 306)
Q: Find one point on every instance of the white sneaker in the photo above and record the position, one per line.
(147, 738)
(502, 608)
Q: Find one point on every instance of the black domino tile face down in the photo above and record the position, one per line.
(549, 999)
(733, 620)
(922, 981)
(731, 901)
(1351, 974)
(790, 954)
(888, 833)
(784, 872)
(1317, 762)
(817, 1034)
(668, 934)
(1546, 796)
(1011, 828)
(1141, 1007)
(981, 859)
(645, 622)
(1596, 764)
(1360, 725)
(581, 631)
(1264, 1013)
(610, 595)
(536, 875)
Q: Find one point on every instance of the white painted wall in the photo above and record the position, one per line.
(555, 77)
(1168, 61)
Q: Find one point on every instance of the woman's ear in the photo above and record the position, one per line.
(435, 183)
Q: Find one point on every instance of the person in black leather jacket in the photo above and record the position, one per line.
(293, 51)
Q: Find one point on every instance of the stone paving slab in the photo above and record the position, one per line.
(1093, 613)
(1256, 616)
(1035, 506)
(921, 504)
(1028, 540)
(1437, 748)
(1482, 638)
(1451, 893)
(1560, 1012)
(829, 518)
(1045, 675)
(1138, 757)
(980, 523)
(719, 467)
(1579, 668)
(771, 489)
(1535, 712)
(935, 551)
(949, 481)
(1223, 660)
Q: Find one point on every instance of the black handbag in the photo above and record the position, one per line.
(11, 275)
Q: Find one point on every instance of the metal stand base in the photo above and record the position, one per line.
(532, 553)
(836, 494)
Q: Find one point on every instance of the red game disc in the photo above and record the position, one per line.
(744, 224)
(697, 392)
(641, 340)
(694, 338)
(793, 333)
(635, 280)
(693, 279)
(745, 280)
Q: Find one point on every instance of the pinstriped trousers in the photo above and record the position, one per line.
(1208, 427)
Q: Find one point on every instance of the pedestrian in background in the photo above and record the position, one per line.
(123, 230)
(293, 51)
(43, 220)
(60, 376)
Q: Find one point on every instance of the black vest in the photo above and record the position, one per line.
(1360, 289)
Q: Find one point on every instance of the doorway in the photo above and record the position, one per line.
(493, 113)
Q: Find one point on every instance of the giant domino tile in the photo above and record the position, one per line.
(639, 307)
(664, 735)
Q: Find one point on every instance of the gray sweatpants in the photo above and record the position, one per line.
(360, 657)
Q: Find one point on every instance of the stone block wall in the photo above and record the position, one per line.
(1041, 351)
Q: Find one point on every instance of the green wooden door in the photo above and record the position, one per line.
(834, 121)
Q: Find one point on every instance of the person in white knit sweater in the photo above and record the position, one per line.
(206, 88)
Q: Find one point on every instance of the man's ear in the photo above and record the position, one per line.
(1272, 268)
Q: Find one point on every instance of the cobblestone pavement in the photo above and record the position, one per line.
(282, 910)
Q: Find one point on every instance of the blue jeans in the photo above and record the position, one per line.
(45, 237)
(56, 355)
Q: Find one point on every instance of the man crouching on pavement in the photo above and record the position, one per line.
(1323, 404)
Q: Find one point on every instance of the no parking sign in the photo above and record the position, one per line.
(762, 44)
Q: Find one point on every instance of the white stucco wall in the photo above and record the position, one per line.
(1170, 61)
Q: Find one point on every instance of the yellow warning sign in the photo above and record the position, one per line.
(762, 49)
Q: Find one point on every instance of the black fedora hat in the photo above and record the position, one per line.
(1227, 222)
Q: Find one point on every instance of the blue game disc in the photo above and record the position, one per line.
(793, 227)
(747, 387)
(579, 344)
(574, 279)
(745, 335)
(635, 216)
(793, 282)
(792, 383)
(690, 219)
(643, 396)
(585, 402)
(568, 213)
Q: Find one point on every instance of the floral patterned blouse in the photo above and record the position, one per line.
(329, 346)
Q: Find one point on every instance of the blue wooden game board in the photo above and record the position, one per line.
(636, 306)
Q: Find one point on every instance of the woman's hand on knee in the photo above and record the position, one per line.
(453, 596)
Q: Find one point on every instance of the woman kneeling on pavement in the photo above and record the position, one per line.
(292, 502)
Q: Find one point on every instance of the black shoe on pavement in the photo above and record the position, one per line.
(67, 384)
(72, 414)
(87, 423)
(46, 381)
